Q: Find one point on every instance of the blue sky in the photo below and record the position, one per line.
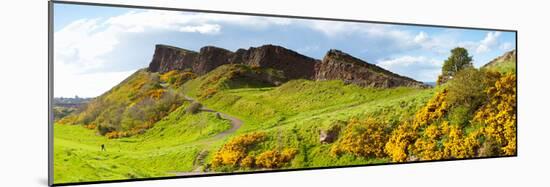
(97, 47)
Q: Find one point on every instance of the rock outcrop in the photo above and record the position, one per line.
(210, 58)
(336, 65)
(168, 58)
(506, 57)
(293, 64)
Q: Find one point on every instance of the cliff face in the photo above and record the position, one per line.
(168, 58)
(336, 65)
(292, 63)
(210, 58)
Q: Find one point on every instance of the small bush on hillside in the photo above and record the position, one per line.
(208, 93)
(248, 162)
(274, 158)
(409, 140)
(68, 120)
(236, 149)
(156, 93)
(460, 115)
(105, 128)
(467, 89)
(436, 108)
(362, 138)
(400, 142)
(193, 108)
(177, 78)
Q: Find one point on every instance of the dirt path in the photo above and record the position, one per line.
(236, 123)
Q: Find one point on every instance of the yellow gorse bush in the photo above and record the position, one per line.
(362, 138)
(429, 136)
(436, 108)
(400, 142)
(177, 78)
(405, 138)
(233, 152)
(274, 158)
(499, 114)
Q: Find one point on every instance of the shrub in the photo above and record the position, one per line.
(427, 146)
(156, 93)
(274, 158)
(104, 129)
(467, 88)
(458, 144)
(436, 108)
(362, 138)
(208, 93)
(68, 120)
(460, 115)
(91, 126)
(248, 161)
(499, 114)
(177, 78)
(400, 142)
(194, 108)
(236, 149)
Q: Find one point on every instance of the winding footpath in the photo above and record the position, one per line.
(236, 123)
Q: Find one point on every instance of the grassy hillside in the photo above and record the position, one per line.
(163, 149)
(292, 118)
(507, 66)
(288, 115)
(251, 118)
(134, 105)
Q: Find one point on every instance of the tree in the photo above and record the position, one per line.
(458, 60)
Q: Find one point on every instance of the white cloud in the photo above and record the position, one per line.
(68, 82)
(335, 29)
(490, 41)
(203, 29)
(81, 47)
(421, 37)
(85, 41)
(505, 46)
(417, 67)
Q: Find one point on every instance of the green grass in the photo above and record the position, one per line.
(504, 67)
(158, 152)
(291, 114)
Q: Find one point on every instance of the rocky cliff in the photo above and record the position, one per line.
(293, 64)
(168, 58)
(336, 65)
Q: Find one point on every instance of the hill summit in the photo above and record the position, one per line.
(336, 65)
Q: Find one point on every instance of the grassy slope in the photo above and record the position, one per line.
(291, 114)
(293, 118)
(504, 67)
(157, 152)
